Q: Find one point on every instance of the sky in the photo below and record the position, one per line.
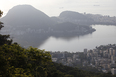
(55, 7)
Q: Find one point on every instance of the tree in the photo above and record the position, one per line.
(4, 39)
(38, 59)
(1, 22)
(16, 61)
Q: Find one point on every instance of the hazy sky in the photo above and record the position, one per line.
(55, 7)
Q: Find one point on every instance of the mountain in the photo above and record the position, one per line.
(26, 15)
(84, 19)
(31, 27)
(24, 23)
(75, 17)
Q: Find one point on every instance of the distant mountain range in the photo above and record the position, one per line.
(84, 19)
(30, 27)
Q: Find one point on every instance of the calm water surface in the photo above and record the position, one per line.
(102, 36)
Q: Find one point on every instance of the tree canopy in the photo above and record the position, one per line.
(1, 22)
(4, 39)
(17, 61)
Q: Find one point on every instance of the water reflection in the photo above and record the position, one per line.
(102, 36)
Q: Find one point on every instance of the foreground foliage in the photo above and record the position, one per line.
(17, 61)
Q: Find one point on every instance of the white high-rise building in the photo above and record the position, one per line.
(111, 51)
(113, 71)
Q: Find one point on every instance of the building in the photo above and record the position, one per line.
(113, 71)
(54, 59)
(111, 51)
(114, 53)
(112, 58)
(85, 51)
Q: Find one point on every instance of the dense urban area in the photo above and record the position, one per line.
(101, 59)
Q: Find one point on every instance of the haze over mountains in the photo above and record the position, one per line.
(85, 19)
(22, 15)
(31, 27)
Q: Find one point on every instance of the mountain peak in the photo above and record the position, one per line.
(26, 15)
(24, 6)
(23, 9)
(69, 14)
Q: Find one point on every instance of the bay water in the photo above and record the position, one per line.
(104, 34)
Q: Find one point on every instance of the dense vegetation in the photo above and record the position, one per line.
(16, 61)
